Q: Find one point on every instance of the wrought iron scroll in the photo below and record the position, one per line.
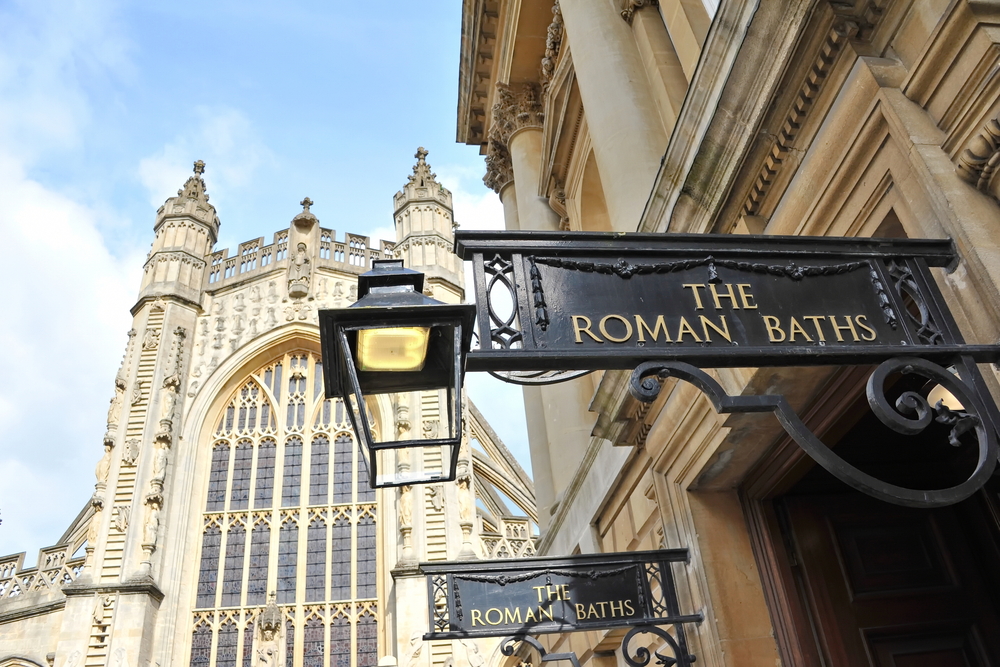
(439, 612)
(905, 284)
(638, 657)
(503, 330)
(642, 656)
(509, 647)
(910, 414)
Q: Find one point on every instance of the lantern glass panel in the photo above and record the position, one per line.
(393, 349)
(408, 437)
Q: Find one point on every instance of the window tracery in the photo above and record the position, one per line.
(287, 509)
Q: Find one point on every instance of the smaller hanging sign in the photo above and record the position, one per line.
(543, 595)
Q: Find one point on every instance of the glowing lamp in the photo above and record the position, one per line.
(392, 342)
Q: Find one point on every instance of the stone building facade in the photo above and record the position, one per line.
(232, 524)
(873, 118)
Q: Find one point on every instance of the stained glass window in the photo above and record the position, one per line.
(260, 541)
(293, 473)
(366, 557)
(248, 644)
(367, 641)
(217, 478)
(316, 561)
(325, 512)
(288, 553)
(343, 448)
(209, 571)
(312, 643)
(340, 578)
(239, 498)
(340, 643)
(201, 645)
(265, 474)
(319, 471)
(225, 652)
(232, 578)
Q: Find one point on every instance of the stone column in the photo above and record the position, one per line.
(625, 127)
(508, 197)
(667, 80)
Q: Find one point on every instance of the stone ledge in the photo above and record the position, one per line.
(134, 587)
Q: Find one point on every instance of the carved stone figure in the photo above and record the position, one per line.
(151, 339)
(136, 392)
(465, 503)
(430, 429)
(272, 292)
(121, 516)
(73, 660)
(255, 294)
(152, 525)
(117, 401)
(159, 464)
(299, 272)
(130, 452)
(168, 398)
(406, 506)
(413, 654)
(94, 529)
(238, 305)
(436, 496)
(104, 465)
(475, 658)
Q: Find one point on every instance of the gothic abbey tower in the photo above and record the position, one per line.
(231, 522)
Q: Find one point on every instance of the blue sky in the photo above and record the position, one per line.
(104, 105)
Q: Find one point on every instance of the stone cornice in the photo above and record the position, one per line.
(32, 610)
(134, 587)
(480, 19)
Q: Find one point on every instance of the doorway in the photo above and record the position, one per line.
(852, 581)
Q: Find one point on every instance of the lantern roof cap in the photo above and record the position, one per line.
(389, 273)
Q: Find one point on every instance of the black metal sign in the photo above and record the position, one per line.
(543, 595)
(671, 305)
(564, 300)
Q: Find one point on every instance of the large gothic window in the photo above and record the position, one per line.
(287, 510)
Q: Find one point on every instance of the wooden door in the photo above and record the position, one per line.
(890, 586)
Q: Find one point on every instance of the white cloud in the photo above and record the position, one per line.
(224, 138)
(62, 336)
(62, 333)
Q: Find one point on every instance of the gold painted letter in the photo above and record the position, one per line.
(774, 330)
(577, 329)
(604, 330)
(640, 324)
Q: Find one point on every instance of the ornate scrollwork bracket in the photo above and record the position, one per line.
(509, 646)
(638, 657)
(680, 657)
(910, 414)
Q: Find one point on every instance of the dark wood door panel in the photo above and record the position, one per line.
(928, 647)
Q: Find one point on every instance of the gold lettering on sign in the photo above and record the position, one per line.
(723, 331)
(640, 324)
(746, 299)
(774, 329)
(847, 327)
(685, 328)
(728, 295)
(817, 321)
(697, 295)
(577, 329)
(796, 328)
(860, 319)
(604, 330)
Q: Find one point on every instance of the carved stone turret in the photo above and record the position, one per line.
(186, 229)
(425, 235)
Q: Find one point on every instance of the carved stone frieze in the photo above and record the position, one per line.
(553, 43)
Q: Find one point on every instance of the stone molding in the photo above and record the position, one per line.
(839, 34)
(977, 163)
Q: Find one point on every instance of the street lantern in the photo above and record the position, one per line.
(396, 340)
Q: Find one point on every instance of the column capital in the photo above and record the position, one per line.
(630, 7)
